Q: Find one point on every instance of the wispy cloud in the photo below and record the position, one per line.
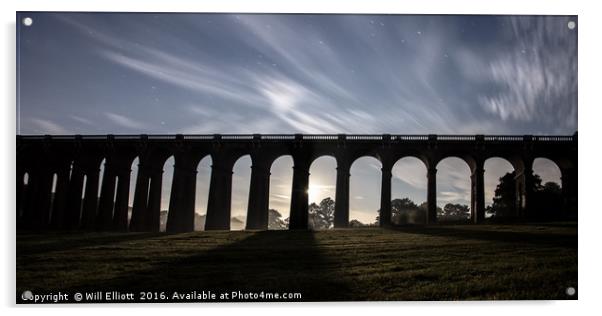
(453, 181)
(411, 171)
(81, 120)
(536, 76)
(45, 126)
(177, 71)
(125, 121)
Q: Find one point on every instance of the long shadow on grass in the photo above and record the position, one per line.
(34, 244)
(269, 261)
(539, 238)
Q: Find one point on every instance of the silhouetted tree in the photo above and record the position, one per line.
(489, 211)
(400, 209)
(275, 220)
(455, 212)
(504, 201)
(546, 199)
(505, 197)
(424, 208)
(354, 223)
(547, 202)
(405, 211)
(321, 216)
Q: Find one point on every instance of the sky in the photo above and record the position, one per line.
(83, 73)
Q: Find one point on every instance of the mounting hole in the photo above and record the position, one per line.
(27, 21)
(571, 25)
(570, 291)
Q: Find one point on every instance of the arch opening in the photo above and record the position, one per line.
(453, 190)
(24, 189)
(166, 183)
(281, 180)
(115, 192)
(52, 197)
(500, 191)
(547, 201)
(132, 190)
(202, 192)
(241, 181)
(81, 200)
(547, 170)
(101, 175)
(409, 191)
(364, 191)
(321, 193)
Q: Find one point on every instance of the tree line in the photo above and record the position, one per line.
(546, 205)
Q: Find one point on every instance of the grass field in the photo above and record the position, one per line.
(445, 262)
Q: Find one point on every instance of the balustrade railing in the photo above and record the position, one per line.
(309, 137)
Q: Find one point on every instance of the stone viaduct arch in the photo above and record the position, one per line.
(72, 158)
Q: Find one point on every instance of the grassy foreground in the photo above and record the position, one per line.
(465, 262)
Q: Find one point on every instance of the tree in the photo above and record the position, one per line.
(546, 200)
(321, 216)
(424, 210)
(354, 223)
(505, 197)
(455, 212)
(275, 220)
(504, 201)
(405, 211)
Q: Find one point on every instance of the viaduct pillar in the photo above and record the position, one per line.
(181, 203)
(220, 194)
(341, 206)
(146, 211)
(299, 198)
(59, 215)
(120, 217)
(524, 184)
(477, 208)
(385, 195)
(107, 194)
(153, 218)
(431, 195)
(257, 213)
(21, 188)
(42, 198)
(74, 202)
(90, 205)
(569, 192)
(140, 207)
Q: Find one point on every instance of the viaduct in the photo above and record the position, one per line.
(71, 158)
